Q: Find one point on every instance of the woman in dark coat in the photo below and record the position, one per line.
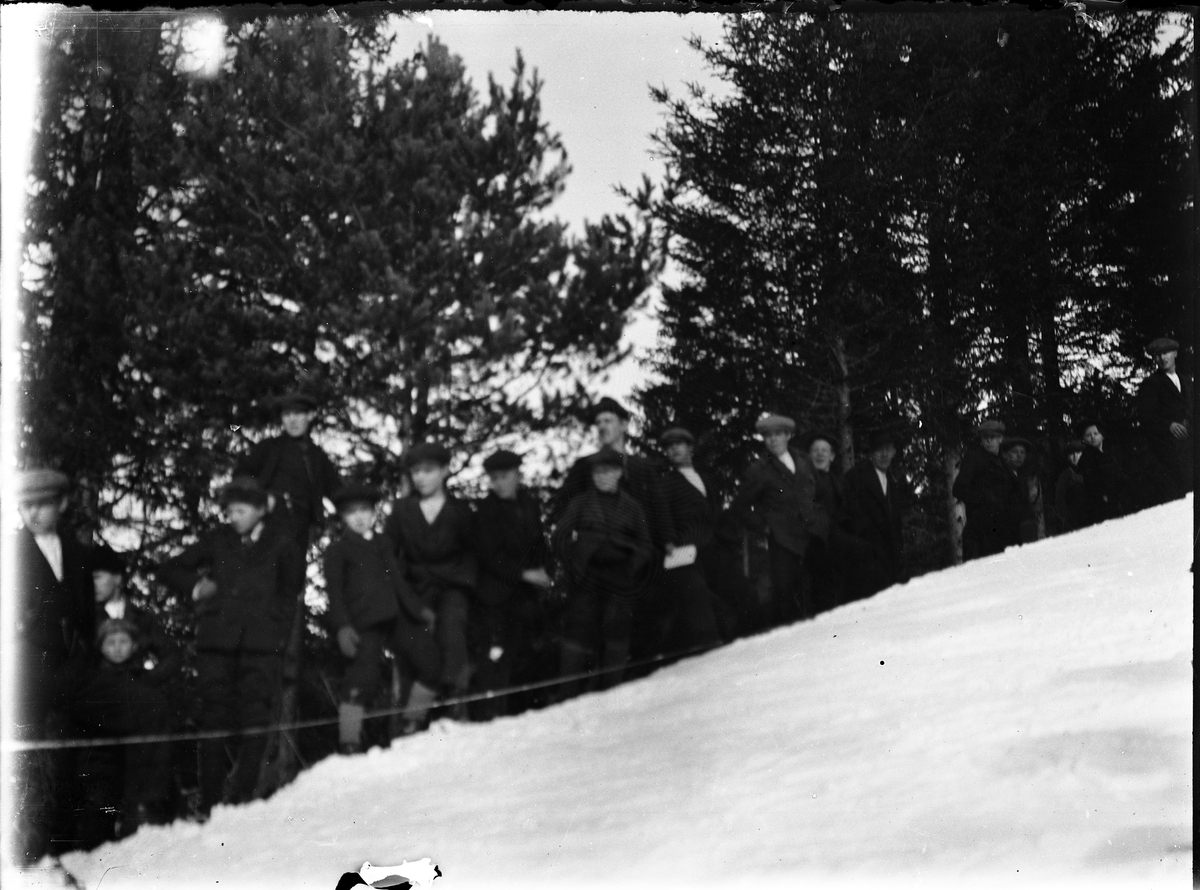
(1103, 480)
(1070, 498)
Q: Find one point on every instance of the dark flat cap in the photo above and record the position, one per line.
(243, 490)
(606, 457)
(818, 436)
(1014, 441)
(991, 428)
(611, 406)
(355, 492)
(116, 626)
(676, 434)
(502, 460)
(105, 559)
(426, 452)
(296, 401)
(775, 423)
(36, 485)
(1161, 345)
(1074, 446)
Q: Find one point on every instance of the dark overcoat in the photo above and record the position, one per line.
(1103, 484)
(510, 538)
(994, 499)
(1160, 404)
(365, 583)
(639, 479)
(437, 555)
(264, 460)
(773, 500)
(604, 541)
(875, 517)
(258, 585)
(694, 516)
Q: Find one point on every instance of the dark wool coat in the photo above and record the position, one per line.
(773, 500)
(365, 583)
(266, 459)
(54, 627)
(509, 539)
(604, 542)
(874, 517)
(436, 555)
(1160, 404)
(694, 516)
(1070, 500)
(1103, 484)
(258, 584)
(640, 480)
(994, 499)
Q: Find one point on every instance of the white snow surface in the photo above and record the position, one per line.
(1023, 720)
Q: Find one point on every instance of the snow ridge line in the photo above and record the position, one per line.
(14, 746)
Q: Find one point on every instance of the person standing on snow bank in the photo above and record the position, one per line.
(874, 501)
(1070, 498)
(989, 492)
(777, 498)
(1165, 410)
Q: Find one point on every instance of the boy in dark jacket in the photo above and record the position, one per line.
(244, 579)
(988, 489)
(604, 541)
(124, 696)
(432, 535)
(367, 591)
(511, 543)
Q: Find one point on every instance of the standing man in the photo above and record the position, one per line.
(244, 579)
(1165, 412)
(53, 632)
(874, 501)
(638, 479)
(695, 505)
(777, 498)
(296, 474)
(513, 561)
(988, 489)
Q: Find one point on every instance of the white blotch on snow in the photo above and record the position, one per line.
(1023, 720)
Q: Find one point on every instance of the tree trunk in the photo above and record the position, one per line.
(845, 430)
(955, 513)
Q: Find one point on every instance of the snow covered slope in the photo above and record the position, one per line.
(1024, 720)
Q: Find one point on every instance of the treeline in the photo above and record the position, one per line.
(322, 213)
(914, 221)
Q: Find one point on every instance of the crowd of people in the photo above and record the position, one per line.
(631, 560)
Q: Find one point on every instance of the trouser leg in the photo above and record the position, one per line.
(257, 689)
(451, 635)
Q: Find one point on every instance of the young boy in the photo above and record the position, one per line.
(367, 591)
(605, 544)
(432, 535)
(244, 579)
(123, 697)
(511, 543)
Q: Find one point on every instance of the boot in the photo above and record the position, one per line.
(416, 715)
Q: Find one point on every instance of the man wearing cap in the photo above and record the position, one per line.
(988, 490)
(53, 631)
(777, 497)
(874, 500)
(1029, 504)
(243, 580)
(1165, 411)
(108, 585)
(695, 503)
(295, 472)
(513, 560)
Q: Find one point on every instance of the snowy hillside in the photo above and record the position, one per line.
(1020, 721)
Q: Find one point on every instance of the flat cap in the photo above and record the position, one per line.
(1014, 441)
(105, 559)
(611, 406)
(1073, 447)
(353, 492)
(676, 434)
(1161, 345)
(296, 401)
(775, 423)
(243, 490)
(502, 460)
(991, 428)
(36, 485)
(116, 626)
(818, 436)
(426, 452)
(880, 438)
(606, 457)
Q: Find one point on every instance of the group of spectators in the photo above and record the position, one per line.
(632, 560)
